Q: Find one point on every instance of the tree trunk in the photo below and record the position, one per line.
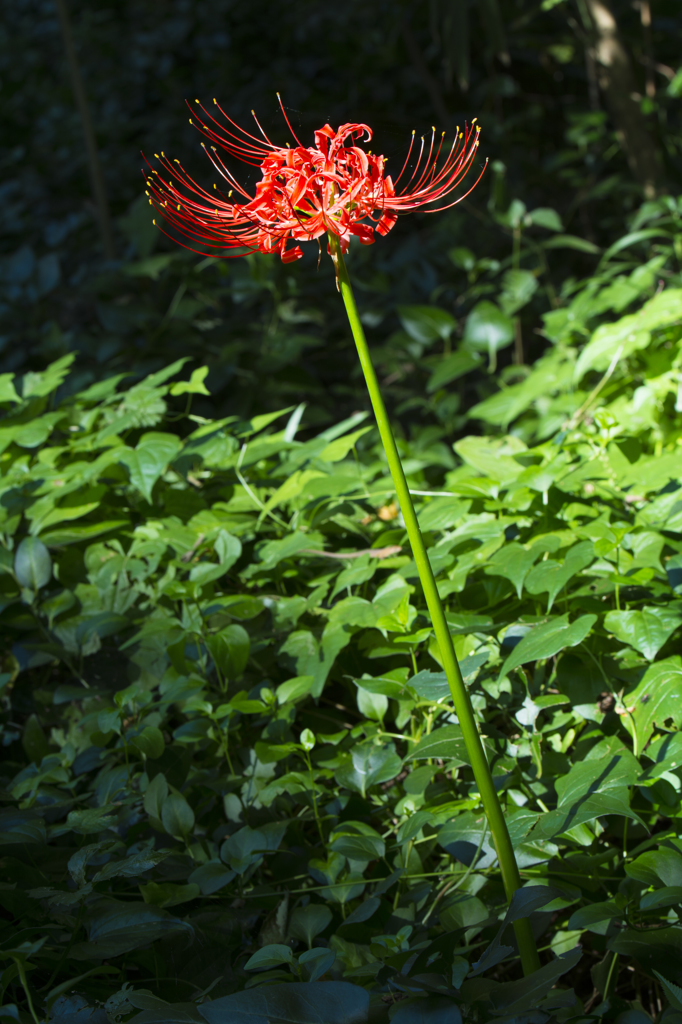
(617, 82)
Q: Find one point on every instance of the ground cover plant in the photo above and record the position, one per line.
(231, 767)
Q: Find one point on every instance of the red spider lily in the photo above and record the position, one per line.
(304, 192)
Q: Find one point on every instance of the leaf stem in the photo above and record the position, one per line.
(460, 694)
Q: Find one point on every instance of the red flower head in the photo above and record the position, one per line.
(304, 192)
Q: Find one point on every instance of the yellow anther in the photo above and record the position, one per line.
(156, 155)
(178, 206)
(215, 101)
(145, 192)
(153, 222)
(196, 101)
(214, 185)
(203, 145)
(474, 121)
(432, 128)
(461, 134)
(163, 154)
(176, 161)
(229, 193)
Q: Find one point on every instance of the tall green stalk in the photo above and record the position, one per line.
(460, 694)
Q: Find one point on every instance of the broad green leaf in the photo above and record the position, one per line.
(230, 650)
(570, 242)
(646, 630)
(369, 765)
(545, 216)
(451, 367)
(7, 390)
(40, 385)
(338, 449)
(149, 459)
(115, 928)
(551, 577)
(168, 894)
(493, 457)
(316, 962)
(518, 996)
(32, 564)
(629, 333)
(308, 922)
(195, 385)
(371, 705)
(513, 561)
(318, 1002)
(518, 288)
(177, 816)
(270, 956)
(488, 329)
(357, 841)
(656, 701)
(446, 742)
(548, 639)
(150, 742)
(673, 992)
(426, 323)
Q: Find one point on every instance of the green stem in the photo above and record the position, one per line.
(460, 694)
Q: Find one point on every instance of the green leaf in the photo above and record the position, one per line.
(18, 826)
(7, 390)
(371, 705)
(488, 329)
(40, 385)
(149, 460)
(655, 701)
(547, 640)
(646, 630)
(551, 577)
(369, 765)
(270, 956)
(115, 928)
(357, 841)
(446, 742)
(150, 742)
(518, 996)
(308, 922)
(594, 913)
(673, 992)
(318, 1002)
(177, 816)
(629, 333)
(338, 449)
(426, 323)
(570, 242)
(451, 367)
(518, 288)
(230, 650)
(316, 962)
(545, 216)
(195, 385)
(32, 564)
(513, 561)
(168, 894)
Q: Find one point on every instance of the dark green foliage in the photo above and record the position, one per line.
(230, 756)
